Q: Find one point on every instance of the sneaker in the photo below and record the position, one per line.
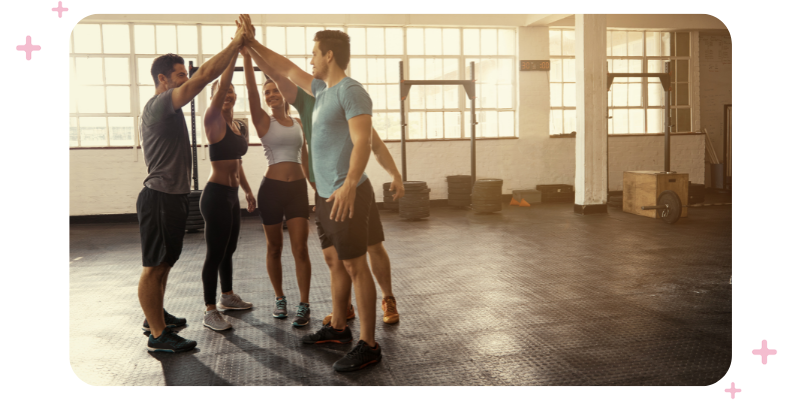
(233, 302)
(327, 334)
(169, 342)
(361, 356)
(389, 307)
(280, 308)
(214, 320)
(350, 315)
(171, 320)
(303, 315)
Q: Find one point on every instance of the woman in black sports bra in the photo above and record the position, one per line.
(219, 203)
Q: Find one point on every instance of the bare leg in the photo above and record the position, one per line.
(151, 296)
(274, 234)
(381, 268)
(359, 272)
(340, 288)
(298, 236)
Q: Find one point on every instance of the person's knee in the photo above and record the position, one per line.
(274, 250)
(356, 267)
(330, 257)
(300, 251)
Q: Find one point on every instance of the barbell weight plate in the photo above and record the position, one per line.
(674, 208)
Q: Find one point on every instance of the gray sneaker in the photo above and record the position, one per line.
(233, 302)
(303, 315)
(280, 308)
(214, 320)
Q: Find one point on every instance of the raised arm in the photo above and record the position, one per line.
(260, 117)
(210, 70)
(385, 159)
(214, 122)
(287, 88)
(304, 158)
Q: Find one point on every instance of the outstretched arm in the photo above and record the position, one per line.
(260, 118)
(214, 122)
(287, 88)
(385, 159)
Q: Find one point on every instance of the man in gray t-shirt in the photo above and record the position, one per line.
(163, 205)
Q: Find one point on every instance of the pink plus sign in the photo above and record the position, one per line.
(28, 48)
(733, 390)
(764, 352)
(60, 9)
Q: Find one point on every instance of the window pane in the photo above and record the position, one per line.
(212, 39)
(665, 44)
(393, 70)
(468, 124)
(296, 40)
(655, 120)
(635, 44)
(379, 123)
(375, 42)
(506, 120)
(73, 131)
(570, 121)
(619, 66)
(619, 95)
(505, 96)
(433, 68)
(619, 43)
(301, 62)
(555, 95)
(556, 122)
(394, 126)
(276, 39)
(187, 40)
(555, 70)
(477, 68)
(417, 97)
(451, 42)
(568, 43)
(635, 94)
(452, 125)
(653, 44)
(117, 71)
(144, 38)
(73, 87)
(358, 69)
(311, 32)
(89, 71)
(358, 41)
(472, 42)
(682, 45)
(433, 41)
(91, 100)
(93, 132)
(435, 125)
(433, 97)
(655, 67)
(121, 130)
(416, 69)
(655, 94)
(489, 123)
(416, 128)
(636, 120)
(393, 97)
(505, 70)
(415, 42)
(683, 94)
(570, 92)
(488, 96)
(119, 99)
(683, 71)
(87, 38)
(116, 39)
(569, 70)
(620, 121)
(489, 42)
(478, 101)
(166, 39)
(378, 95)
(684, 120)
(451, 93)
(376, 70)
(394, 41)
(450, 66)
(143, 69)
(507, 42)
(555, 43)
(147, 92)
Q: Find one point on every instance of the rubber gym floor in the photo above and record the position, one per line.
(527, 296)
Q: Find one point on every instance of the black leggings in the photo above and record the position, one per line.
(219, 205)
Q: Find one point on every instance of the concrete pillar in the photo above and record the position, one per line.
(591, 144)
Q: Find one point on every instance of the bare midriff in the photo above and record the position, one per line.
(225, 172)
(285, 171)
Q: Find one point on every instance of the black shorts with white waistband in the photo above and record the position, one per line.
(352, 236)
(277, 199)
(162, 225)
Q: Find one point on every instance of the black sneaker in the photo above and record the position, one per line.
(169, 342)
(171, 320)
(303, 315)
(361, 356)
(327, 334)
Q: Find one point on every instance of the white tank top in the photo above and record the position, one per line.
(282, 143)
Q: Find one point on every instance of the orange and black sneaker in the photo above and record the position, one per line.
(350, 315)
(327, 334)
(361, 356)
(389, 307)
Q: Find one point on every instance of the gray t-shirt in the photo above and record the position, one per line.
(166, 146)
(332, 146)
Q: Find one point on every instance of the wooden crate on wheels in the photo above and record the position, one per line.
(642, 188)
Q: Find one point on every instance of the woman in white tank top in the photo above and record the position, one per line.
(283, 191)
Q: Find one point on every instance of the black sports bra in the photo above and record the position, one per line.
(232, 146)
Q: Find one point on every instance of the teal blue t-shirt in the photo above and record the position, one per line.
(332, 145)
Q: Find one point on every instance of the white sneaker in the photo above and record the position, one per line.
(214, 320)
(233, 302)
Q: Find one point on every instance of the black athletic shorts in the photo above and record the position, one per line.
(351, 236)
(162, 224)
(277, 199)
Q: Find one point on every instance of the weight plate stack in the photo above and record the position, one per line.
(388, 198)
(487, 195)
(194, 222)
(416, 202)
(459, 190)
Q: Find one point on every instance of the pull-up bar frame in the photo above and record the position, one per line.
(405, 87)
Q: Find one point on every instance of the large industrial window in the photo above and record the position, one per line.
(635, 107)
(110, 78)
